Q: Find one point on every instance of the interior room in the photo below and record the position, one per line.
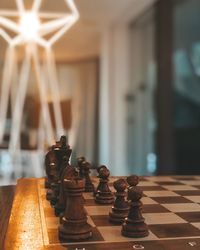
(114, 84)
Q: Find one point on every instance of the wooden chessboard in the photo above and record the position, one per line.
(171, 210)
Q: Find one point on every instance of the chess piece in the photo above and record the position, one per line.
(49, 159)
(89, 187)
(104, 194)
(62, 151)
(80, 160)
(74, 223)
(132, 180)
(121, 207)
(53, 176)
(98, 170)
(134, 225)
(68, 172)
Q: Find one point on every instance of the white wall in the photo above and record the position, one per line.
(113, 87)
(115, 80)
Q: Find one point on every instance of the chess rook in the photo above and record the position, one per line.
(134, 225)
(74, 223)
(121, 207)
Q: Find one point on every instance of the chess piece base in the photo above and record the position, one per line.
(74, 230)
(118, 217)
(104, 198)
(136, 230)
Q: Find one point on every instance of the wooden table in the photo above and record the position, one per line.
(6, 200)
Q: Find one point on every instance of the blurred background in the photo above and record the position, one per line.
(129, 71)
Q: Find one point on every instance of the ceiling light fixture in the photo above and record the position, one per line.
(31, 32)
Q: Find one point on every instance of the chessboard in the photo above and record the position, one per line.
(171, 208)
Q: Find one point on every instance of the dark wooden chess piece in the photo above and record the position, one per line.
(53, 174)
(80, 160)
(89, 187)
(104, 194)
(68, 172)
(49, 159)
(120, 208)
(134, 225)
(132, 180)
(62, 151)
(98, 170)
(74, 223)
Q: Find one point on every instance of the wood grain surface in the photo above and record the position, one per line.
(24, 229)
(6, 200)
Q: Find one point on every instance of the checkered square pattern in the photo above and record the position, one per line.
(171, 209)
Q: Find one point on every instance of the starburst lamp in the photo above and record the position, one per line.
(30, 31)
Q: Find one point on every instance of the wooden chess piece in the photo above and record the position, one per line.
(68, 172)
(74, 223)
(80, 160)
(62, 151)
(49, 159)
(53, 174)
(132, 180)
(121, 207)
(134, 225)
(89, 187)
(104, 194)
(98, 170)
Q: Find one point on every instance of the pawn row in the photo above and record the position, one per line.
(129, 213)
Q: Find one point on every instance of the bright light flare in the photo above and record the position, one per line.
(29, 26)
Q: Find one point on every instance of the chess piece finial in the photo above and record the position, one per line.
(63, 141)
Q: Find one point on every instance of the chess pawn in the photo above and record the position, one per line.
(132, 180)
(104, 194)
(89, 187)
(134, 225)
(74, 223)
(98, 170)
(120, 208)
(80, 160)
